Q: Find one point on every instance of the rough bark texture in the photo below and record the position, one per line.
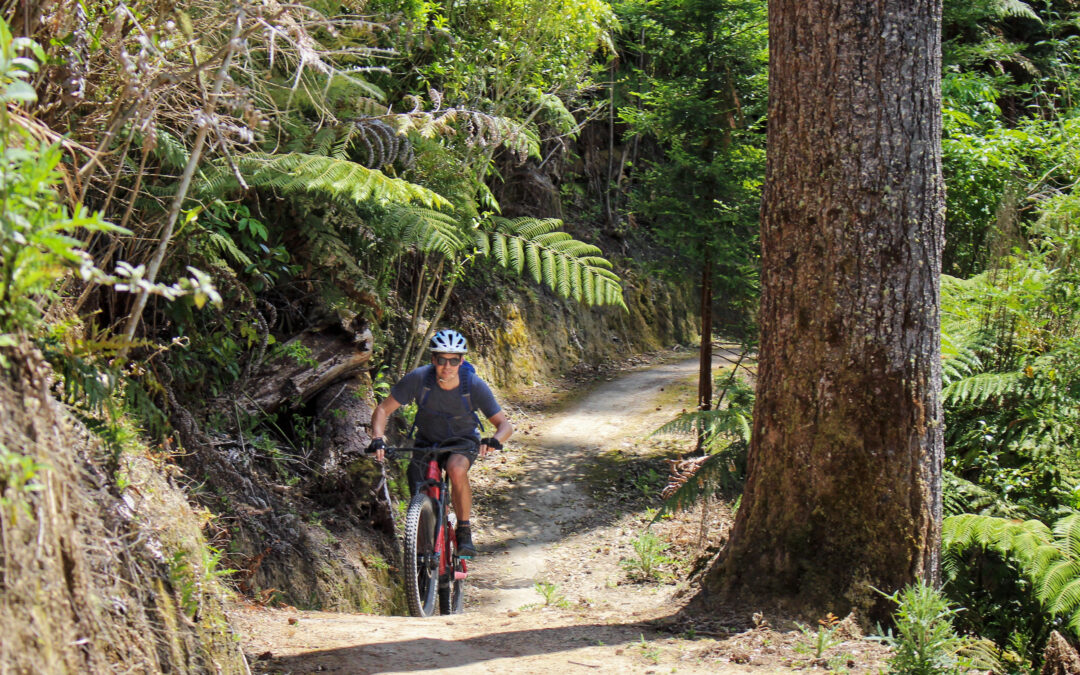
(327, 355)
(843, 489)
(1060, 658)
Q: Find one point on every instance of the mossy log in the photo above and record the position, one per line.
(344, 414)
(305, 366)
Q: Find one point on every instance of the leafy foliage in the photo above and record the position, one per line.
(926, 642)
(693, 83)
(339, 179)
(36, 230)
(1049, 559)
(570, 267)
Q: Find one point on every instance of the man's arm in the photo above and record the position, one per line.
(503, 430)
(382, 412)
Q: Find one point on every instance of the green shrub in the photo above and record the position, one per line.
(925, 642)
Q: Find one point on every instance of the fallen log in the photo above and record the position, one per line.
(344, 414)
(305, 365)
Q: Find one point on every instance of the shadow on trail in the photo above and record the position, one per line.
(426, 653)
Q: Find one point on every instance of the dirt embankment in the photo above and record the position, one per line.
(559, 584)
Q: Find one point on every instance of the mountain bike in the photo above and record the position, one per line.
(433, 569)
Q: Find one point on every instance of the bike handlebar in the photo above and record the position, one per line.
(464, 445)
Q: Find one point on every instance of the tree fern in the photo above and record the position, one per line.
(691, 480)
(570, 267)
(1049, 559)
(980, 388)
(429, 230)
(342, 180)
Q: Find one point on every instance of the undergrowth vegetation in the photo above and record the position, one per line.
(186, 190)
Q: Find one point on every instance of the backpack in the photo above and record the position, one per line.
(466, 373)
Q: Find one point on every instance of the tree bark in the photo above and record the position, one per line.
(843, 492)
(326, 356)
(1060, 658)
(705, 388)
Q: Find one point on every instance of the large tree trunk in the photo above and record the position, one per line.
(843, 486)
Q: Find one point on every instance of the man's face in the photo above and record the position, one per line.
(446, 365)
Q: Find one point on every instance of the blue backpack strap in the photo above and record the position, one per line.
(421, 400)
(466, 375)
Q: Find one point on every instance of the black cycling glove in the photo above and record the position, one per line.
(376, 445)
(492, 443)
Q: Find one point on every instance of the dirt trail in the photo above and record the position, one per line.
(550, 500)
(535, 522)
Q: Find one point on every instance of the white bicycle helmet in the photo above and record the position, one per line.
(448, 341)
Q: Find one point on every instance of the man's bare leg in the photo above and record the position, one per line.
(457, 468)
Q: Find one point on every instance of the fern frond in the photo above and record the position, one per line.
(1026, 541)
(225, 245)
(430, 230)
(1067, 531)
(570, 267)
(297, 173)
(1016, 8)
(1059, 586)
(323, 141)
(977, 389)
(962, 496)
(171, 151)
(703, 479)
(733, 421)
(557, 115)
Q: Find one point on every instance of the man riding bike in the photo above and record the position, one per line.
(447, 393)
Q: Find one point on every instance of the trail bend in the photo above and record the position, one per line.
(538, 524)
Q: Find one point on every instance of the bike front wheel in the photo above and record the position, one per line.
(421, 566)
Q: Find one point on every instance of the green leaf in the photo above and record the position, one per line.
(18, 91)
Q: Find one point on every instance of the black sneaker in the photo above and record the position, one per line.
(464, 542)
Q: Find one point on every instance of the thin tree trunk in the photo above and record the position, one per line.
(609, 214)
(419, 304)
(435, 319)
(185, 181)
(705, 388)
(843, 493)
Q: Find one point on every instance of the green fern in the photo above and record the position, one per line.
(1049, 559)
(731, 421)
(429, 230)
(298, 173)
(1015, 8)
(570, 267)
(980, 388)
(224, 244)
(555, 113)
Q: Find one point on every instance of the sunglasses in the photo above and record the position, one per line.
(444, 361)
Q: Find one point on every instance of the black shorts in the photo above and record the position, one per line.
(417, 469)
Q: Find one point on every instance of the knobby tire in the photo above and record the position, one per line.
(421, 573)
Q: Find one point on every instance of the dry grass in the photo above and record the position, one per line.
(88, 577)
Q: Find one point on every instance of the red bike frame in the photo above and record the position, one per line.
(434, 490)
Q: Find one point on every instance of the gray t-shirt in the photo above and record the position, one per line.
(444, 415)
